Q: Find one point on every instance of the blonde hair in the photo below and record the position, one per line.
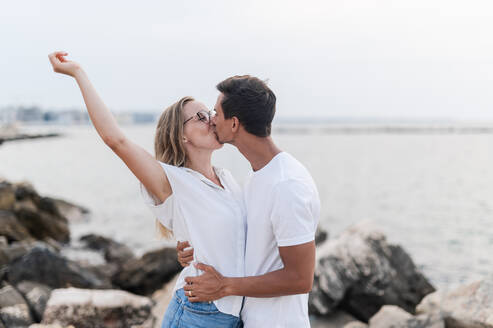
(168, 143)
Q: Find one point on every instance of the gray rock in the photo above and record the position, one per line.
(47, 267)
(360, 272)
(356, 324)
(146, 274)
(36, 295)
(113, 251)
(38, 325)
(14, 311)
(391, 316)
(18, 249)
(98, 309)
(469, 306)
(320, 236)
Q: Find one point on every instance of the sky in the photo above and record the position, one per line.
(348, 58)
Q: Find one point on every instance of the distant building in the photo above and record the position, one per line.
(11, 115)
(140, 118)
(29, 114)
(7, 116)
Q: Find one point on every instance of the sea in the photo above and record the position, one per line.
(429, 190)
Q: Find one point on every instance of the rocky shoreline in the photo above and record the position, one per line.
(12, 133)
(49, 280)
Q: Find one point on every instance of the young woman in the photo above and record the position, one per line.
(189, 197)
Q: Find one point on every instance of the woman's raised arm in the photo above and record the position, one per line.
(142, 164)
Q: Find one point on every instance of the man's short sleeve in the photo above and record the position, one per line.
(295, 213)
(164, 212)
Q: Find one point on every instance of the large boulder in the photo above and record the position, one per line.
(468, 306)
(113, 251)
(360, 272)
(14, 311)
(43, 265)
(391, 316)
(146, 274)
(98, 309)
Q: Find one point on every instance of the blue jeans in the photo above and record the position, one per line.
(183, 314)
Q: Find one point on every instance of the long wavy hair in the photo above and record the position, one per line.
(168, 144)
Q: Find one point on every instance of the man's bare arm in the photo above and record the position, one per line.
(295, 278)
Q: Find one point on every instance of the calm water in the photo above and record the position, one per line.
(430, 193)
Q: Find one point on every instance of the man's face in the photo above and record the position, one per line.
(222, 127)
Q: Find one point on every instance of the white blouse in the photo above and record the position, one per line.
(211, 218)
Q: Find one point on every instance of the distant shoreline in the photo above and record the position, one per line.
(380, 129)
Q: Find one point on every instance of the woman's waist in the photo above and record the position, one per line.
(229, 304)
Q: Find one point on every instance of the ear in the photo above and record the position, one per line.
(236, 124)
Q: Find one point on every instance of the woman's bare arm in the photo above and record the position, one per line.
(142, 164)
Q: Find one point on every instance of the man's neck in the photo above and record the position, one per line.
(257, 150)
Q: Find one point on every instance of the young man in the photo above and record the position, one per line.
(283, 209)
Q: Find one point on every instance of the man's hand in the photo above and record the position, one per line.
(207, 287)
(185, 257)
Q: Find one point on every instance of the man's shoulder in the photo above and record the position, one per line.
(292, 173)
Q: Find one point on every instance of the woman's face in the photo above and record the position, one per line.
(198, 133)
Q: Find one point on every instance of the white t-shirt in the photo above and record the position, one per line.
(283, 209)
(211, 218)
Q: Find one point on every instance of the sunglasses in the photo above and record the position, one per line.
(203, 116)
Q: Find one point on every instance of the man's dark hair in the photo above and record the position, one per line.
(251, 101)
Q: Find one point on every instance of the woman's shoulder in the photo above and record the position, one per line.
(169, 166)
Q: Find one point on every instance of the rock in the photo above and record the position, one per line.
(83, 256)
(320, 236)
(98, 308)
(72, 212)
(25, 190)
(38, 325)
(12, 229)
(360, 272)
(146, 274)
(19, 249)
(14, 311)
(36, 295)
(468, 306)
(334, 320)
(161, 298)
(44, 266)
(113, 251)
(356, 324)
(42, 224)
(7, 195)
(391, 316)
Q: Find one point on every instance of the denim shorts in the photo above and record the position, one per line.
(183, 314)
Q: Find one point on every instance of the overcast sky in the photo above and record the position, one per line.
(344, 58)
